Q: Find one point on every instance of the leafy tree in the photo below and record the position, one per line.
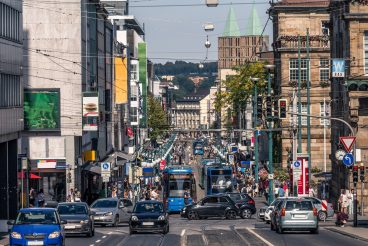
(157, 118)
(182, 67)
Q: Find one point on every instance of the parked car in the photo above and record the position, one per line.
(322, 215)
(211, 206)
(37, 226)
(78, 216)
(111, 211)
(245, 204)
(273, 212)
(296, 214)
(270, 208)
(149, 216)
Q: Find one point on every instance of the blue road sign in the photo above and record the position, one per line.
(338, 68)
(296, 164)
(105, 166)
(348, 160)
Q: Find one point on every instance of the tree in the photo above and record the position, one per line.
(157, 118)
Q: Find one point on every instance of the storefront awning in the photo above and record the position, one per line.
(31, 176)
(122, 157)
(93, 167)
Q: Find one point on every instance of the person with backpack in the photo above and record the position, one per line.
(186, 197)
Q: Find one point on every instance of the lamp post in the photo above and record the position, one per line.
(270, 140)
(255, 80)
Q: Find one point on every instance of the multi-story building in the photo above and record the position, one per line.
(11, 108)
(68, 87)
(292, 19)
(349, 43)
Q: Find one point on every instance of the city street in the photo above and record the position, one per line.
(212, 232)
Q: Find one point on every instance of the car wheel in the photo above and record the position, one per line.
(116, 221)
(322, 215)
(166, 230)
(231, 215)
(315, 231)
(192, 215)
(246, 213)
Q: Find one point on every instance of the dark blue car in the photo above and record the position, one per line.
(37, 226)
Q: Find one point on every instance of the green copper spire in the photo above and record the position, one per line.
(231, 26)
(254, 24)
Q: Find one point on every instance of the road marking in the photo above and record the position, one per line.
(91, 245)
(98, 241)
(104, 236)
(260, 237)
(110, 233)
(183, 238)
(182, 232)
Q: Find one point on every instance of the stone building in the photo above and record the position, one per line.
(293, 18)
(350, 93)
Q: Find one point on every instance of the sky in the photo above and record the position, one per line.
(176, 32)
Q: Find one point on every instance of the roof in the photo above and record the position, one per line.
(303, 3)
(148, 201)
(26, 210)
(72, 203)
(254, 24)
(231, 26)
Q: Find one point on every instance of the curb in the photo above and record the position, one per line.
(347, 234)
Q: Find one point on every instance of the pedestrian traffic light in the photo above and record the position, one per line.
(259, 108)
(282, 108)
(269, 108)
(355, 174)
(362, 172)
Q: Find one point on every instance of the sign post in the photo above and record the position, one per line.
(105, 174)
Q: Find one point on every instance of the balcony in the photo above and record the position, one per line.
(290, 43)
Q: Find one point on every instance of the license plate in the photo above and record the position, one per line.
(148, 223)
(300, 216)
(35, 243)
(69, 227)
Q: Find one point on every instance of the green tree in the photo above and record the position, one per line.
(157, 118)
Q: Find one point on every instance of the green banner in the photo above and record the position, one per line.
(142, 56)
(41, 110)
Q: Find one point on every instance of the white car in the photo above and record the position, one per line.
(269, 210)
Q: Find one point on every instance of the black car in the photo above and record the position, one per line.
(211, 206)
(78, 216)
(149, 216)
(245, 204)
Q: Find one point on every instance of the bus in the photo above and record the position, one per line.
(198, 147)
(176, 180)
(218, 179)
(201, 169)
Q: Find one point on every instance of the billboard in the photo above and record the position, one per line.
(42, 109)
(90, 111)
(121, 80)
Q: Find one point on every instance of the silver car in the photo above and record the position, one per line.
(111, 211)
(297, 214)
(322, 215)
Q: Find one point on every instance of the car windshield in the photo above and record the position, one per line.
(72, 209)
(104, 204)
(148, 208)
(36, 217)
(298, 205)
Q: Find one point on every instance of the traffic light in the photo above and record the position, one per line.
(282, 108)
(269, 108)
(362, 172)
(259, 109)
(355, 174)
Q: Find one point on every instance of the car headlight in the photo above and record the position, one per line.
(54, 234)
(134, 218)
(108, 214)
(16, 235)
(161, 217)
(84, 221)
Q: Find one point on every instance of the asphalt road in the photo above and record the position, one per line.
(211, 232)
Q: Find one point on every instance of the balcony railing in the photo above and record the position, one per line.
(286, 42)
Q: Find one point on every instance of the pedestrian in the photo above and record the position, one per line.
(281, 192)
(113, 193)
(72, 195)
(343, 201)
(312, 193)
(266, 194)
(256, 189)
(154, 194)
(186, 197)
(32, 197)
(130, 194)
(276, 191)
(350, 196)
(77, 195)
(147, 194)
(41, 198)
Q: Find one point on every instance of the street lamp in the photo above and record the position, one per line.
(255, 80)
(269, 69)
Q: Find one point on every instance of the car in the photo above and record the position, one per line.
(211, 206)
(261, 213)
(149, 216)
(269, 209)
(78, 216)
(296, 214)
(111, 211)
(322, 214)
(37, 226)
(273, 212)
(245, 204)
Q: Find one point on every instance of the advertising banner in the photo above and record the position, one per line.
(301, 175)
(90, 111)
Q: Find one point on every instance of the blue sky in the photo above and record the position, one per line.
(177, 32)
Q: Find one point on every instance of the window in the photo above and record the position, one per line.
(294, 71)
(223, 200)
(304, 110)
(10, 91)
(324, 70)
(325, 111)
(366, 51)
(363, 106)
(9, 22)
(133, 114)
(210, 200)
(133, 72)
(325, 28)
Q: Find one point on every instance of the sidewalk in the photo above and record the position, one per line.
(360, 233)
(4, 239)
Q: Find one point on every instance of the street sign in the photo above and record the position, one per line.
(105, 179)
(348, 160)
(338, 68)
(105, 175)
(105, 166)
(297, 165)
(347, 142)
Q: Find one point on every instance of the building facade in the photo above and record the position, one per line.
(349, 93)
(293, 19)
(11, 108)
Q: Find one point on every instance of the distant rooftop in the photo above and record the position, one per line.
(304, 3)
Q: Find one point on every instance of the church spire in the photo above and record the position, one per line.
(231, 26)
(254, 23)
